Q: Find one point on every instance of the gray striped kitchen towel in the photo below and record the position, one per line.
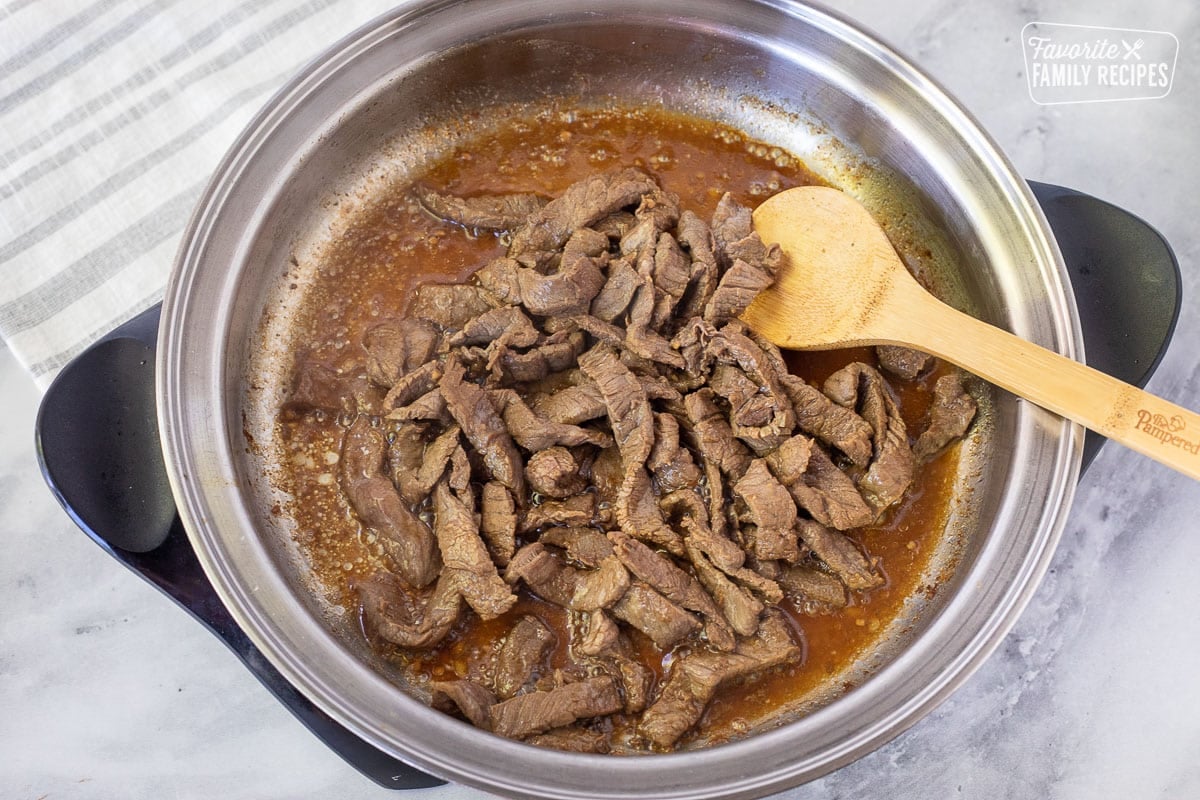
(113, 113)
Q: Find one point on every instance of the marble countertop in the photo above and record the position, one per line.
(109, 690)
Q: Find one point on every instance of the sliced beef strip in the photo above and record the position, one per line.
(572, 405)
(713, 436)
(736, 290)
(496, 212)
(696, 237)
(578, 279)
(499, 277)
(463, 552)
(840, 554)
(789, 461)
(498, 521)
(672, 273)
(419, 620)
(829, 495)
(507, 324)
(695, 678)
(472, 409)
(739, 608)
(731, 383)
(450, 306)
(580, 205)
(950, 415)
(523, 655)
(554, 472)
(770, 508)
(405, 453)
(599, 330)
(579, 509)
(733, 233)
(893, 465)
(413, 385)
(672, 464)
(828, 422)
(638, 513)
(810, 588)
(396, 347)
(465, 696)
(429, 406)
(659, 572)
(534, 433)
(535, 712)
(641, 336)
(722, 550)
(556, 353)
(572, 739)
(405, 538)
(654, 615)
(547, 574)
(635, 680)
(903, 362)
(617, 293)
(730, 346)
(600, 634)
(628, 407)
(585, 546)
(417, 483)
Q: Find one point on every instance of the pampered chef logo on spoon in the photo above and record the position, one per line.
(1090, 64)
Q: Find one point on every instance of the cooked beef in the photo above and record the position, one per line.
(638, 513)
(523, 656)
(419, 619)
(547, 574)
(572, 405)
(713, 436)
(463, 552)
(578, 279)
(577, 510)
(828, 422)
(654, 615)
(811, 589)
(413, 385)
(472, 409)
(507, 324)
(590, 416)
(600, 634)
(840, 554)
(771, 510)
(397, 347)
(861, 387)
(738, 607)
(450, 306)
(495, 212)
(467, 697)
(534, 433)
(694, 679)
(829, 494)
(903, 362)
(554, 472)
(535, 712)
(585, 546)
(628, 408)
(498, 521)
(572, 738)
(659, 572)
(405, 538)
(581, 205)
(949, 416)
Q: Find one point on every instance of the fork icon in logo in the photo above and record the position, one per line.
(1132, 49)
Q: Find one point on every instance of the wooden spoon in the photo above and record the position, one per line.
(841, 285)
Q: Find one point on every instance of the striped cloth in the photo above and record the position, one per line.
(113, 114)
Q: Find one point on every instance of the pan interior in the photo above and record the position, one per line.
(404, 91)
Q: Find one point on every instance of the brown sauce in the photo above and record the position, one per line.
(390, 249)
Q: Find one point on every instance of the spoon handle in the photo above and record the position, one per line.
(1152, 426)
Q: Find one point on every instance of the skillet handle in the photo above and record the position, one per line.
(1126, 283)
(98, 448)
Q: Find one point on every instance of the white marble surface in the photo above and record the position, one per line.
(108, 690)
